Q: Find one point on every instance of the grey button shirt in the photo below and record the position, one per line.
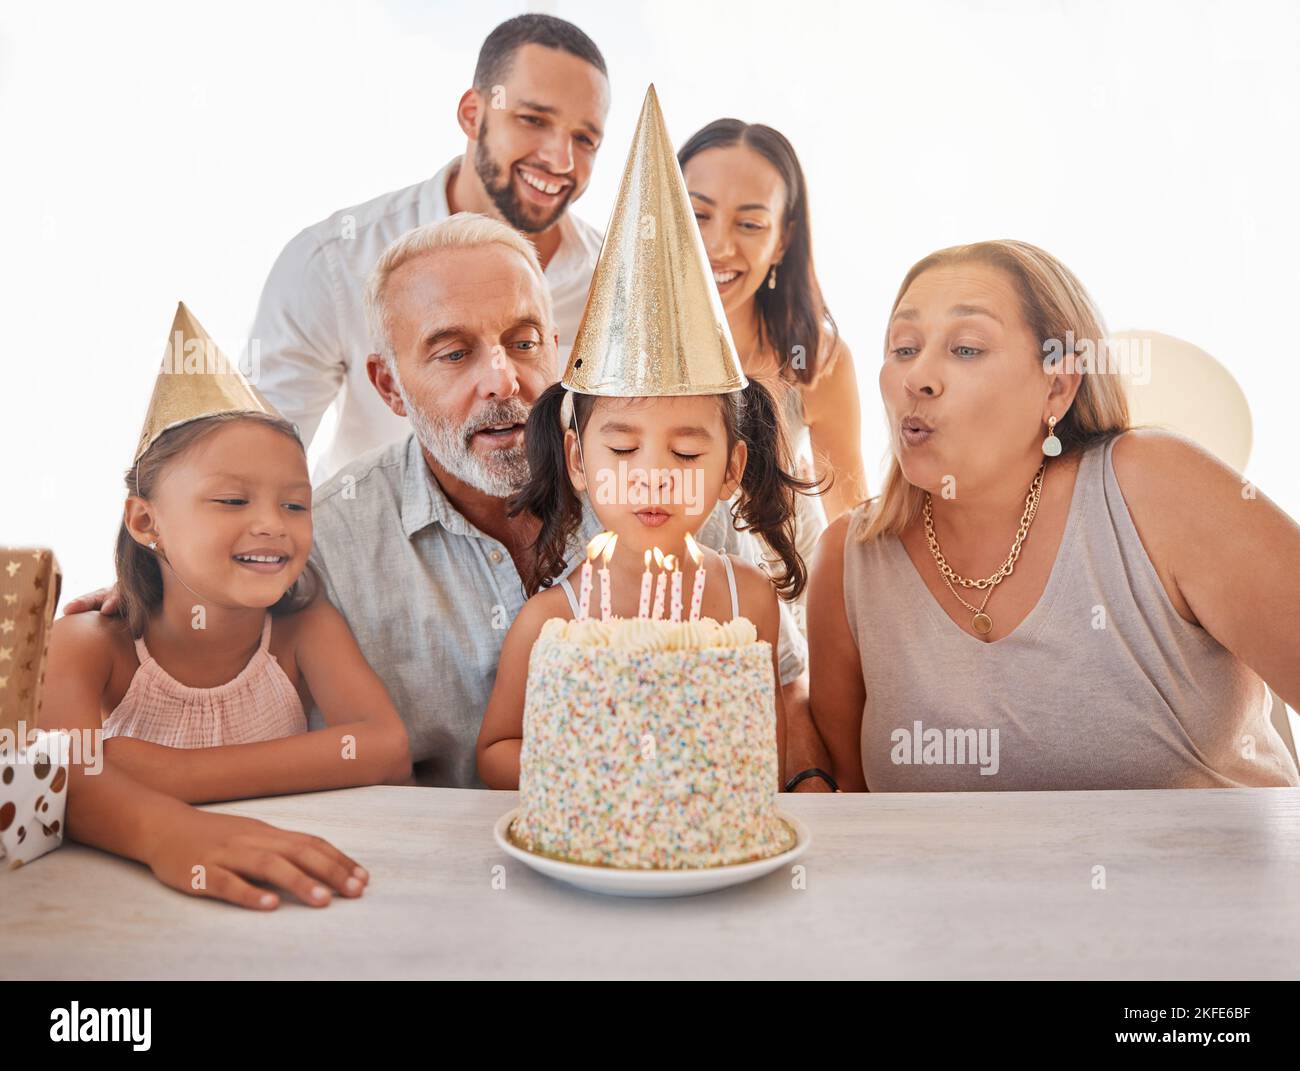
(429, 598)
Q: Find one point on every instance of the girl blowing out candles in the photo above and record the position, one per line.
(733, 439)
(655, 423)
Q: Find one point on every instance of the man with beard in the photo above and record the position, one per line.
(534, 120)
(413, 540)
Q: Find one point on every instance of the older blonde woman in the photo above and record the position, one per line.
(1041, 598)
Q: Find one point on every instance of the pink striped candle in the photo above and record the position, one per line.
(584, 591)
(660, 560)
(697, 590)
(606, 553)
(584, 585)
(644, 608)
(677, 592)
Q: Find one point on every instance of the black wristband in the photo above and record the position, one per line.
(812, 771)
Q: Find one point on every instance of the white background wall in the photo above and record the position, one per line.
(153, 152)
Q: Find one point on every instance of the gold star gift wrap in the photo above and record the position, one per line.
(33, 777)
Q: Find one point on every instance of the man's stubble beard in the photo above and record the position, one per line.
(503, 193)
(501, 473)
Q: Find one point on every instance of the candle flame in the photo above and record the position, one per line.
(608, 552)
(597, 544)
(693, 549)
(670, 563)
(659, 557)
(647, 561)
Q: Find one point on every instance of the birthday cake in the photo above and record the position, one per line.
(650, 744)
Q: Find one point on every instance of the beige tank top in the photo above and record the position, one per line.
(1103, 685)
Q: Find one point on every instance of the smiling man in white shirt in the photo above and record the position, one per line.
(534, 120)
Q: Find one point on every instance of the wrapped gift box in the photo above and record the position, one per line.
(29, 593)
(33, 797)
(33, 765)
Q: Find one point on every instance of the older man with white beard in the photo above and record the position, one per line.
(413, 540)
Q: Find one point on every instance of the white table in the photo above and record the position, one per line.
(1199, 884)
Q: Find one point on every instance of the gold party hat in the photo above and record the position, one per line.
(196, 380)
(654, 323)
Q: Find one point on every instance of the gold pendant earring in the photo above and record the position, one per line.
(771, 278)
(1051, 445)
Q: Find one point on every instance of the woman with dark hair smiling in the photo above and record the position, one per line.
(751, 203)
(1041, 598)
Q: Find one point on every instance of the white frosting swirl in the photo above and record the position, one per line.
(643, 634)
(738, 632)
(553, 630)
(638, 634)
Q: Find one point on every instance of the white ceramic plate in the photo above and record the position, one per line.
(615, 881)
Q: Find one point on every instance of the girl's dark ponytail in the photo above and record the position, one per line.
(768, 488)
(548, 495)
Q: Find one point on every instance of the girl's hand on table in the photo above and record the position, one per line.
(220, 855)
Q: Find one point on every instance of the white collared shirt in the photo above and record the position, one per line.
(311, 325)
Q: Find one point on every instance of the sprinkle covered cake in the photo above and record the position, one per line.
(650, 744)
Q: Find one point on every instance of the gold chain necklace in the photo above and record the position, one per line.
(981, 622)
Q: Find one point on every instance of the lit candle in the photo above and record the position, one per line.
(644, 608)
(584, 586)
(697, 592)
(606, 553)
(677, 592)
(660, 561)
(670, 563)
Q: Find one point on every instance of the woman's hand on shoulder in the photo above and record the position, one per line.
(106, 600)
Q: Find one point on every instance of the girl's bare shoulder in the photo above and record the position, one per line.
(318, 614)
(317, 626)
(749, 576)
(754, 588)
(94, 646)
(91, 635)
(547, 603)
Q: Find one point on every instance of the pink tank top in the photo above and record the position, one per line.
(259, 704)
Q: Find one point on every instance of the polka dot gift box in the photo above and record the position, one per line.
(33, 797)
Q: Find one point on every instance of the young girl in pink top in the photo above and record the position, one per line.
(222, 641)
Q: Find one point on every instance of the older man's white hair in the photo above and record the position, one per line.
(464, 230)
